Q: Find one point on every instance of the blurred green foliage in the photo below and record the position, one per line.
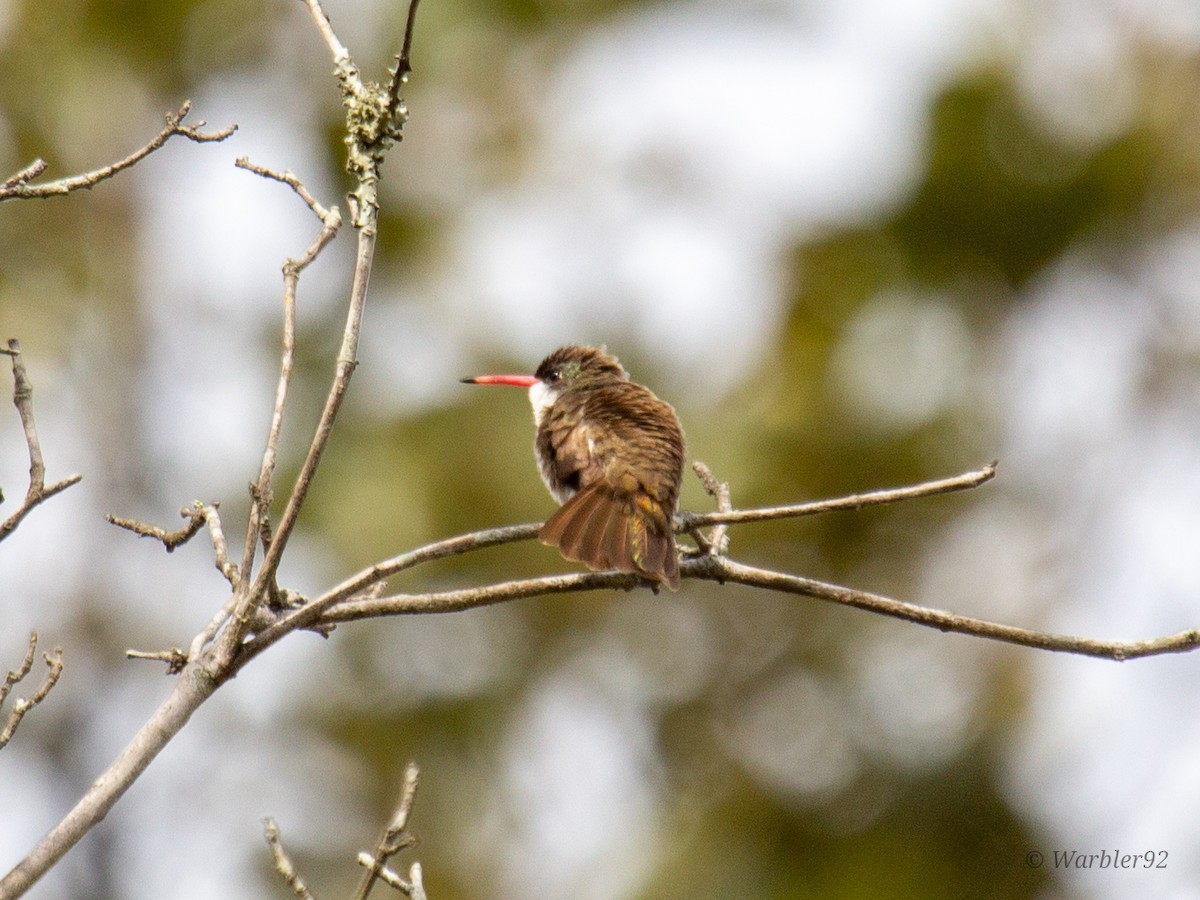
(999, 201)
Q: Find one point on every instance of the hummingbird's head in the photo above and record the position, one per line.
(573, 367)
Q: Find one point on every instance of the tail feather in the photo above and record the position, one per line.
(670, 571)
(605, 530)
(653, 551)
(616, 538)
(574, 526)
(592, 550)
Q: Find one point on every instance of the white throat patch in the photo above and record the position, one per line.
(541, 398)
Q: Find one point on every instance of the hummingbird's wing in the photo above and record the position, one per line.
(571, 456)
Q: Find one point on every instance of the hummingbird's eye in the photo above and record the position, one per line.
(554, 376)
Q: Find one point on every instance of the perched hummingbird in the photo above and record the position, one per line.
(612, 454)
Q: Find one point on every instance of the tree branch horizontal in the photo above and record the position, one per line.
(722, 570)
(18, 187)
(963, 482)
(350, 600)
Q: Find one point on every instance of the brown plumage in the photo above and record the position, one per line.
(612, 454)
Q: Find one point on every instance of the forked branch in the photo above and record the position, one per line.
(38, 491)
(350, 601)
(395, 837)
(23, 705)
(373, 124)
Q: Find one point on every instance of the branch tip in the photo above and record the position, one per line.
(17, 186)
(283, 862)
(37, 492)
(395, 837)
(175, 658)
(22, 706)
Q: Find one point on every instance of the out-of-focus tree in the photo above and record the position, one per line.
(1020, 287)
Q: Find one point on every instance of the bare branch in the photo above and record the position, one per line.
(38, 492)
(373, 123)
(313, 614)
(410, 888)
(721, 570)
(262, 490)
(327, 216)
(395, 838)
(417, 880)
(283, 862)
(175, 658)
(17, 675)
(963, 482)
(170, 539)
(403, 60)
(18, 186)
(22, 706)
(717, 542)
(337, 49)
(193, 687)
(220, 548)
(372, 126)
(364, 584)
(31, 171)
(347, 361)
(198, 515)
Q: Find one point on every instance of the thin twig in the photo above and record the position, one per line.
(417, 880)
(169, 539)
(367, 138)
(17, 675)
(22, 706)
(38, 492)
(325, 28)
(346, 363)
(716, 543)
(21, 176)
(327, 216)
(403, 60)
(283, 862)
(198, 515)
(220, 547)
(723, 570)
(204, 673)
(262, 490)
(175, 658)
(965, 481)
(414, 887)
(395, 836)
(18, 186)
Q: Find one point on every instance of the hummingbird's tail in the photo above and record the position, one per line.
(607, 529)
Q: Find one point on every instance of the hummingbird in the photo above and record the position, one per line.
(611, 454)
